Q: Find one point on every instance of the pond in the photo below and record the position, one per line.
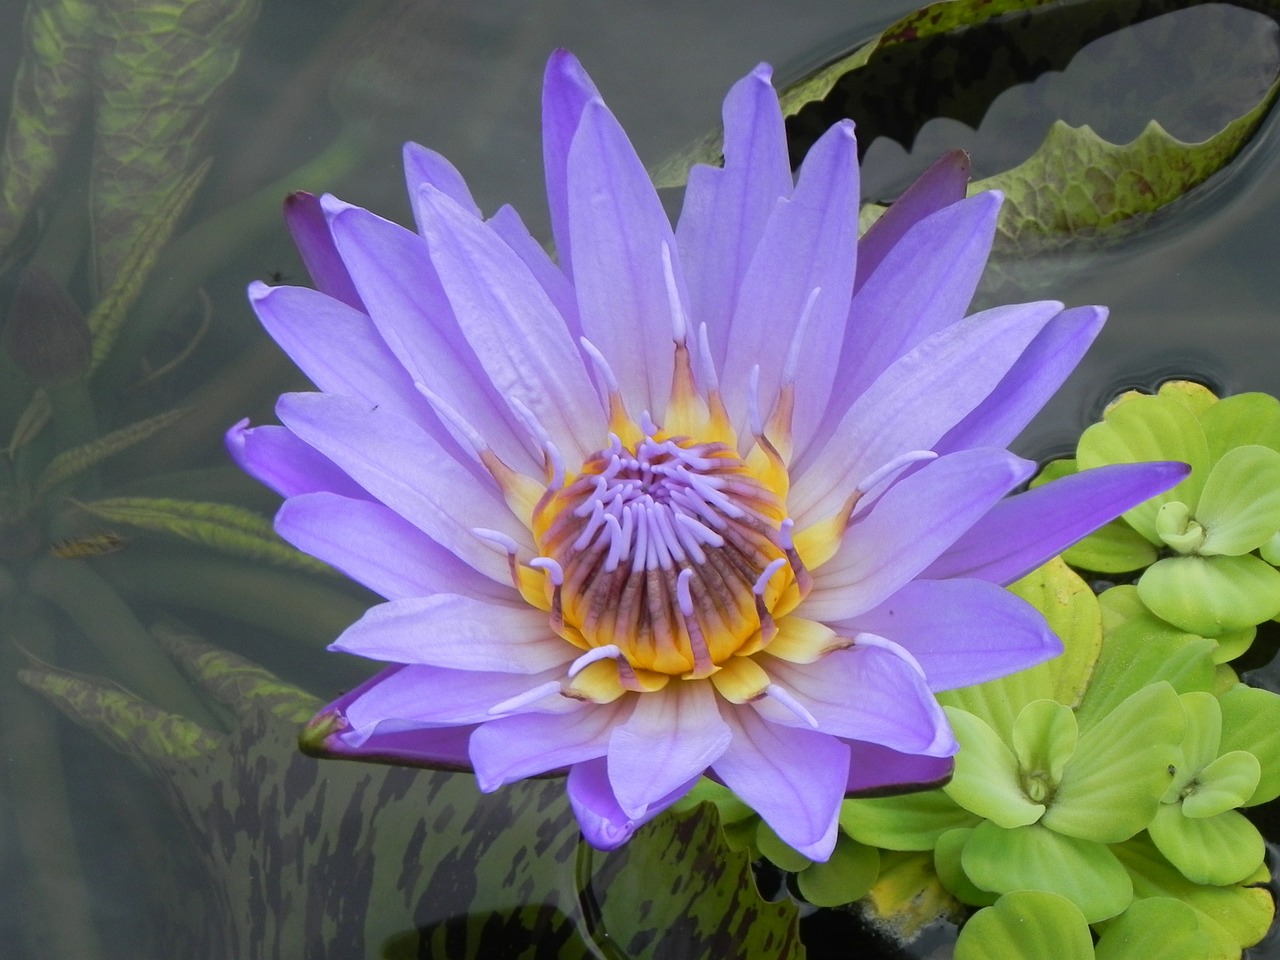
(164, 810)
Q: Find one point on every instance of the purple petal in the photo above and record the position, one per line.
(670, 739)
(807, 250)
(1026, 530)
(794, 778)
(868, 692)
(392, 268)
(619, 229)
(940, 186)
(338, 348)
(274, 456)
(1030, 382)
(507, 224)
(407, 470)
(447, 630)
(915, 520)
(603, 822)
(528, 744)
(377, 547)
(922, 288)
(566, 90)
(725, 209)
(425, 166)
(414, 696)
(517, 334)
(877, 771)
(961, 632)
(307, 222)
(914, 403)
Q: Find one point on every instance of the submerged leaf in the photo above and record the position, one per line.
(71, 463)
(225, 527)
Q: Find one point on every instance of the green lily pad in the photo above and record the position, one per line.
(1240, 503)
(777, 850)
(1071, 608)
(1233, 916)
(1138, 429)
(1223, 785)
(1044, 737)
(987, 779)
(913, 821)
(1156, 927)
(1113, 548)
(1211, 595)
(946, 860)
(1241, 419)
(1113, 782)
(1230, 645)
(1251, 721)
(1036, 858)
(1026, 925)
(844, 878)
(1218, 850)
(1140, 652)
(1200, 742)
(1271, 550)
(1196, 397)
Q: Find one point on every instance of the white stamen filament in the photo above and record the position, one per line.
(797, 340)
(679, 328)
(526, 698)
(791, 703)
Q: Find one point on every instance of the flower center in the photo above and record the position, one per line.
(666, 550)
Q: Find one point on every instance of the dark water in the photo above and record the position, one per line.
(1195, 294)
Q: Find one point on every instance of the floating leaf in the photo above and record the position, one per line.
(844, 878)
(946, 860)
(1113, 782)
(1241, 419)
(913, 821)
(1026, 925)
(1139, 428)
(1036, 858)
(71, 463)
(1251, 721)
(1156, 927)
(987, 780)
(1072, 610)
(1211, 595)
(1232, 916)
(1240, 505)
(1218, 850)
(227, 528)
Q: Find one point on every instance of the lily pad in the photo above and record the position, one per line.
(946, 860)
(1113, 782)
(1211, 595)
(1251, 721)
(1240, 505)
(1026, 925)
(987, 779)
(845, 877)
(1036, 858)
(913, 821)
(1218, 850)
(1156, 927)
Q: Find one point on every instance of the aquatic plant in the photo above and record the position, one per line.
(1205, 546)
(757, 549)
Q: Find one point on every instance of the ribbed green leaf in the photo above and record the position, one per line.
(1036, 858)
(71, 463)
(844, 878)
(1232, 916)
(1218, 850)
(1113, 782)
(224, 527)
(1026, 925)
(132, 270)
(1211, 595)
(1156, 927)
(913, 821)
(1251, 721)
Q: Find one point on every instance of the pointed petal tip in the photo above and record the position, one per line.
(258, 291)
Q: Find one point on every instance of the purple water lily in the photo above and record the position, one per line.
(725, 500)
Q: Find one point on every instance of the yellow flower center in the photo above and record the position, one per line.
(669, 550)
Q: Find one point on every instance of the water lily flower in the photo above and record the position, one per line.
(723, 499)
